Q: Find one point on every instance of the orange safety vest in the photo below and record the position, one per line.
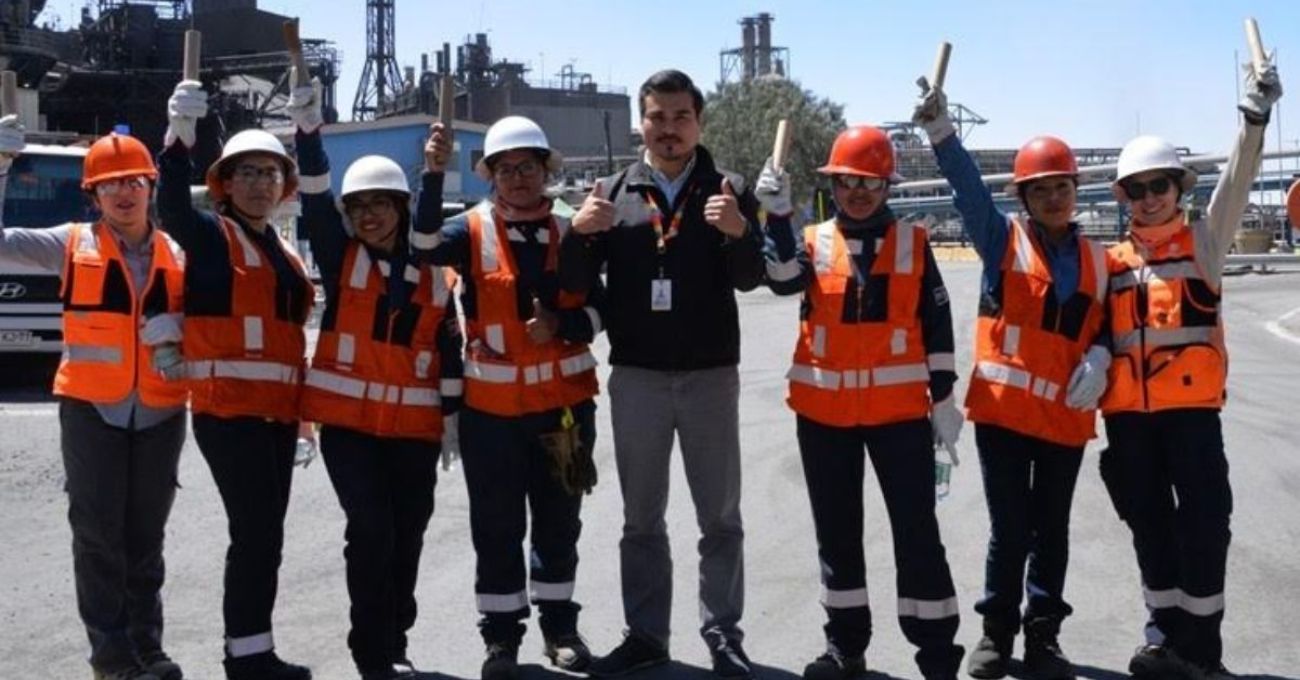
(1166, 329)
(375, 369)
(872, 372)
(507, 374)
(250, 362)
(103, 357)
(1027, 343)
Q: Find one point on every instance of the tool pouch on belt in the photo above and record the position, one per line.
(570, 458)
(1112, 475)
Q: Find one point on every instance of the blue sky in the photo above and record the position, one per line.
(1091, 72)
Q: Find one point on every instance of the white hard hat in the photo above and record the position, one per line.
(252, 141)
(516, 132)
(374, 173)
(1148, 152)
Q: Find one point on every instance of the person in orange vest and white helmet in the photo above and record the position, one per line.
(385, 374)
(121, 396)
(1040, 367)
(1165, 466)
(247, 298)
(873, 367)
(527, 429)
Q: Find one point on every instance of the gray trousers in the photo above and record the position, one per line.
(702, 408)
(120, 486)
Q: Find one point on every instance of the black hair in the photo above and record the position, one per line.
(671, 81)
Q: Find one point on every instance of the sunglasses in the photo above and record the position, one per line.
(1137, 191)
(113, 187)
(860, 182)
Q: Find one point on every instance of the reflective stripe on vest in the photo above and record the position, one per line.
(874, 369)
(1166, 325)
(1028, 342)
(103, 358)
(375, 366)
(506, 373)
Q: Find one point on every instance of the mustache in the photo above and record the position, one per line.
(668, 138)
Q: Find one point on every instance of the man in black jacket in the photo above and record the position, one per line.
(677, 237)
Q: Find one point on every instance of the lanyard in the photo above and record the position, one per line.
(657, 220)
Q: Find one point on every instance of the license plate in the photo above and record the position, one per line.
(12, 338)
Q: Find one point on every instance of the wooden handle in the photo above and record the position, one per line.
(1257, 57)
(447, 101)
(8, 93)
(193, 51)
(781, 145)
(941, 65)
(293, 45)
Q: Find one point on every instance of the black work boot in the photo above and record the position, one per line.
(501, 662)
(1043, 656)
(263, 666)
(992, 653)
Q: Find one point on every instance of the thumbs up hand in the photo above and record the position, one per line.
(596, 214)
(544, 324)
(723, 212)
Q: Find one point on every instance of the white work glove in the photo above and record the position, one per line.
(168, 361)
(450, 442)
(304, 106)
(931, 112)
(773, 190)
(1088, 382)
(946, 419)
(186, 106)
(161, 328)
(305, 451)
(12, 140)
(1262, 92)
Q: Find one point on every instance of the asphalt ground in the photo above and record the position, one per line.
(42, 636)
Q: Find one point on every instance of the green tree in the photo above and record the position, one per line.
(740, 122)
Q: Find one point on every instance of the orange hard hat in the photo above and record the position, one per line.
(1044, 157)
(116, 155)
(1293, 204)
(862, 150)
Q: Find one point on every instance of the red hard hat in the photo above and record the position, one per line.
(862, 150)
(113, 156)
(1044, 157)
(1293, 204)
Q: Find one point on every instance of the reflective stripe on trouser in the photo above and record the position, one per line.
(385, 485)
(1169, 480)
(251, 460)
(902, 456)
(120, 486)
(1029, 489)
(509, 478)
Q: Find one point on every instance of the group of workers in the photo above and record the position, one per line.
(209, 308)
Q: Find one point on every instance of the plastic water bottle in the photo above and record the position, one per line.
(942, 472)
(305, 451)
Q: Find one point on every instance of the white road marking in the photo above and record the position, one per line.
(1276, 328)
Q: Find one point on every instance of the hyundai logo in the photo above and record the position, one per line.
(12, 290)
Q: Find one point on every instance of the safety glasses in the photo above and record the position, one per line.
(376, 207)
(113, 187)
(860, 182)
(1137, 191)
(524, 170)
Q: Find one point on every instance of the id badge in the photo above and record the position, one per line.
(661, 295)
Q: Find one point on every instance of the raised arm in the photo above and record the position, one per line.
(181, 221)
(42, 248)
(431, 240)
(981, 220)
(1232, 193)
